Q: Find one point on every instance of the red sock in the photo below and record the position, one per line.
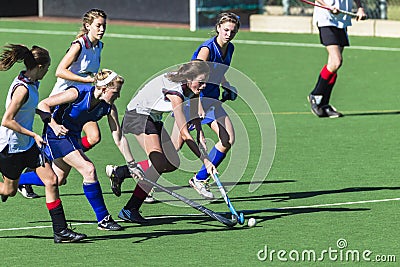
(144, 164)
(54, 204)
(86, 143)
(326, 74)
(333, 79)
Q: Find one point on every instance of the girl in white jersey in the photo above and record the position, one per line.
(19, 144)
(78, 66)
(82, 62)
(143, 118)
(332, 27)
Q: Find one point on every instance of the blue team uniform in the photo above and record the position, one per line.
(216, 74)
(211, 93)
(73, 116)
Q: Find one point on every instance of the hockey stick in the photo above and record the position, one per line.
(194, 205)
(239, 217)
(327, 8)
(45, 117)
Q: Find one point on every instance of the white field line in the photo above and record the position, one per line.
(275, 209)
(194, 39)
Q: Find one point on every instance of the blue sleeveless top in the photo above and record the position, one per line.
(216, 74)
(74, 115)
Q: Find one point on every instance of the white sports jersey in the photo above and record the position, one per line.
(323, 17)
(20, 142)
(86, 64)
(151, 99)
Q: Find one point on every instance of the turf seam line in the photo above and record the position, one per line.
(194, 39)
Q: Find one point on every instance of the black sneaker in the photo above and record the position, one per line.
(331, 112)
(68, 236)
(315, 109)
(114, 179)
(27, 191)
(4, 198)
(108, 224)
(132, 216)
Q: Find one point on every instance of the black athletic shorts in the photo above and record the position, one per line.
(331, 35)
(13, 164)
(136, 123)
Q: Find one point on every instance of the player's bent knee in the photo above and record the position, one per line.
(161, 163)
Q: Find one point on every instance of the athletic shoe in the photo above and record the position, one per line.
(202, 187)
(109, 224)
(4, 198)
(331, 112)
(132, 216)
(114, 179)
(150, 197)
(68, 236)
(315, 109)
(27, 191)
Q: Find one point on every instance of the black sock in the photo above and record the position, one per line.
(123, 172)
(134, 203)
(58, 219)
(321, 89)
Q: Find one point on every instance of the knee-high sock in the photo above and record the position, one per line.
(322, 87)
(30, 178)
(57, 215)
(216, 158)
(94, 195)
(329, 89)
(159, 165)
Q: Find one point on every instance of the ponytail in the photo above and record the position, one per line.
(16, 53)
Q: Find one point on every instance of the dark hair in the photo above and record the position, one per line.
(89, 17)
(189, 71)
(227, 16)
(17, 52)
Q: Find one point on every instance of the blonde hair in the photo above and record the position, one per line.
(17, 52)
(227, 17)
(89, 17)
(103, 74)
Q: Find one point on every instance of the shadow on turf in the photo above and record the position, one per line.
(283, 197)
(372, 113)
(294, 211)
(172, 188)
(149, 233)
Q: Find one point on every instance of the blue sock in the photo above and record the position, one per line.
(95, 197)
(216, 158)
(30, 178)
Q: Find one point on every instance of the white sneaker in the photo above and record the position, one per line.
(150, 197)
(27, 191)
(202, 187)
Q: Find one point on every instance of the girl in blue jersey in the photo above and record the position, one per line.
(218, 49)
(332, 26)
(19, 144)
(73, 108)
(77, 67)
